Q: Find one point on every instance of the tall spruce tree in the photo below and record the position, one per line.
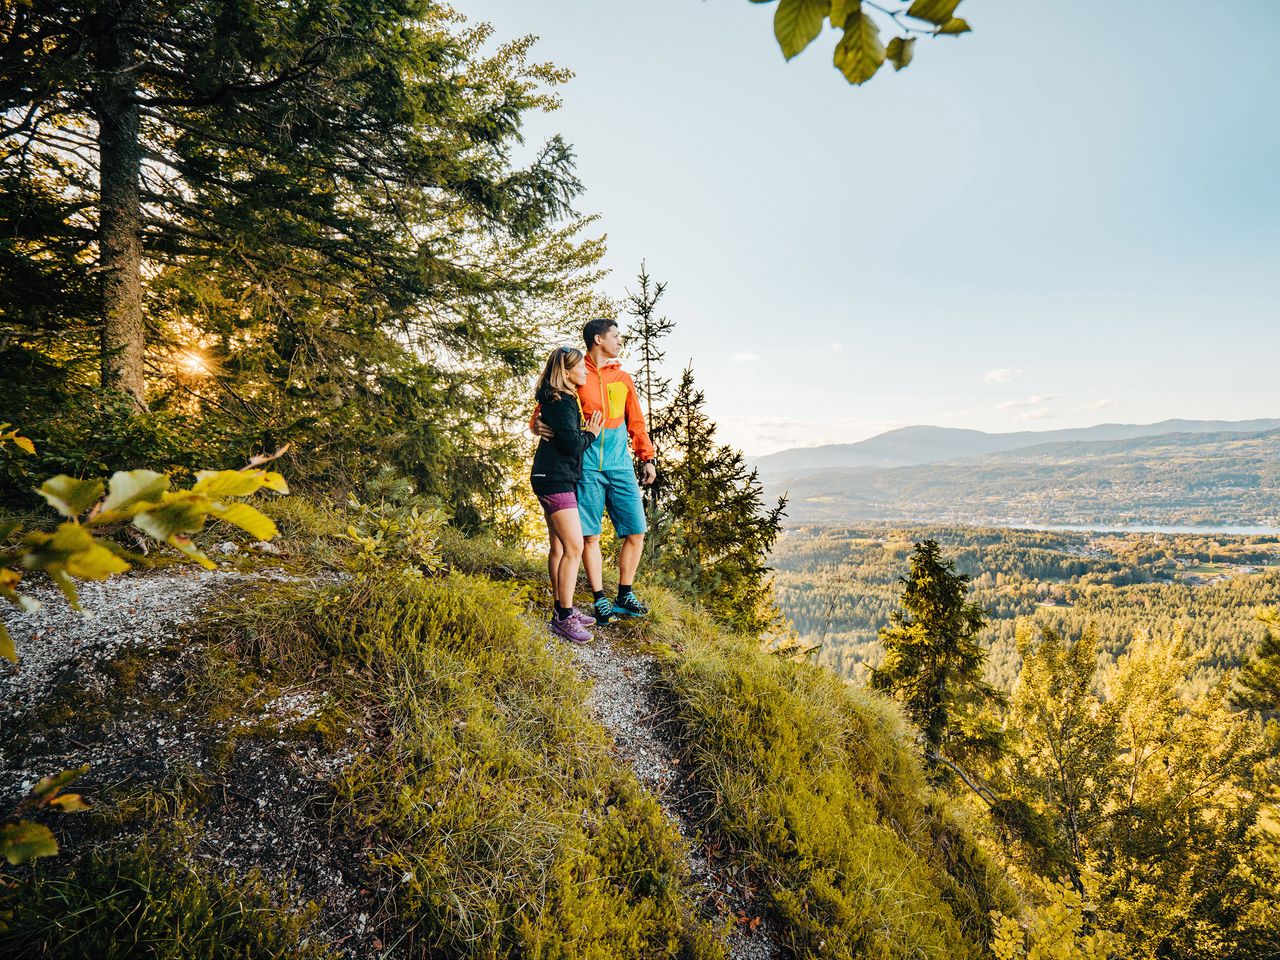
(720, 530)
(933, 658)
(645, 334)
(317, 201)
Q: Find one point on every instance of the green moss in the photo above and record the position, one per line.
(149, 903)
(815, 784)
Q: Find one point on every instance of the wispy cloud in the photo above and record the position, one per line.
(1002, 375)
(745, 356)
(1035, 400)
(1100, 404)
(837, 347)
(1039, 413)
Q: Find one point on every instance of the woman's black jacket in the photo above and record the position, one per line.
(557, 463)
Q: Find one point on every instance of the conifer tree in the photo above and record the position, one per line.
(933, 660)
(646, 333)
(1259, 681)
(720, 531)
(312, 203)
(1153, 796)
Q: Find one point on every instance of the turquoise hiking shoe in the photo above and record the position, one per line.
(629, 605)
(604, 611)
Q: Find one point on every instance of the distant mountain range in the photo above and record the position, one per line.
(1175, 472)
(915, 445)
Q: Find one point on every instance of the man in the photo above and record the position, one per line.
(608, 478)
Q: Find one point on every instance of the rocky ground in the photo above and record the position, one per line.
(112, 688)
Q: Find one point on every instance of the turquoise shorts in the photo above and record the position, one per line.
(616, 491)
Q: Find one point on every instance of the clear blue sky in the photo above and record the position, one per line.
(1069, 216)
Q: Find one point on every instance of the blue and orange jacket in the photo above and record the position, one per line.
(611, 390)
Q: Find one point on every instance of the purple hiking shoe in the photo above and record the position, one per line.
(585, 619)
(570, 629)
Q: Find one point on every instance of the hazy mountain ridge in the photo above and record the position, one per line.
(1179, 478)
(909, 446)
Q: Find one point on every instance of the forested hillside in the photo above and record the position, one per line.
(839, 585)
(1214, 478)
(914, 445)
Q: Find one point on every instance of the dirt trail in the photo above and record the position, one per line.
(624, 700)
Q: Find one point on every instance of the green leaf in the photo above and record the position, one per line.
(67, 587)
(933, 11)
(95, 562)
(840, 10)
(191, 551)
(228, 483)
(955, 25)
(274, 481)
(69, 496)
(180, 513)
(246, 518)
(50, 785)
(72, 550)
(25, 444)
(133, 486)
(7, 649)
(797, 22)
(859, 54)
(70, 803)
(23, 841)
(899, 51)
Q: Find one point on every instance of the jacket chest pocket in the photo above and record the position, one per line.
(617, 400)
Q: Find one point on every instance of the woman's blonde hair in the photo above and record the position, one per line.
(554, 382)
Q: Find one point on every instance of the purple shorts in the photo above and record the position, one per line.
(555, 502)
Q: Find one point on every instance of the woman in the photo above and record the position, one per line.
(557, 468)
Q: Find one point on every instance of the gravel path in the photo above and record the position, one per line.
(145, 609)
(622, 698)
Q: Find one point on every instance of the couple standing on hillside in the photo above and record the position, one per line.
(587, 410)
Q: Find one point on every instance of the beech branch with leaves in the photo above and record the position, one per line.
(861, 53)
(142, 498)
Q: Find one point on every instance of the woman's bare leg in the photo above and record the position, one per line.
(555, 550)
(567, 529)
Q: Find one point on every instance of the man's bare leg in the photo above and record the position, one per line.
(592, 562)
(629, 557)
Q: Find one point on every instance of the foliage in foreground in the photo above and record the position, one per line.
(1056, 931)
(818, 787)
(860, 53)
(143, 499)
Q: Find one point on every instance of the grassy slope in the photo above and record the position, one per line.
(815, 782)
(493, 819)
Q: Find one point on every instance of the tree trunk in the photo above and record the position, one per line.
(120, 213)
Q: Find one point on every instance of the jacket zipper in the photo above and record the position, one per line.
(603, 414)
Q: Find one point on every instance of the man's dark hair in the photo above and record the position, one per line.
(597, 328)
